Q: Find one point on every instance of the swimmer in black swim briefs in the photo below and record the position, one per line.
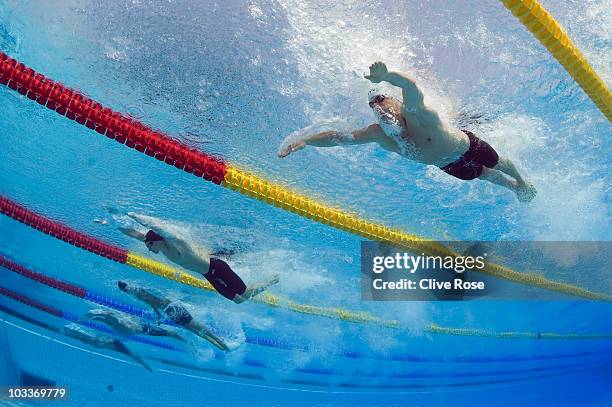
(168, 239)
(175, 311)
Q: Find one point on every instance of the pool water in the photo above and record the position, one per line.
(234, 79)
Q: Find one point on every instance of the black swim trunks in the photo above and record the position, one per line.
(223, 278)
(470, 164)
(178, 313)
(153, 330)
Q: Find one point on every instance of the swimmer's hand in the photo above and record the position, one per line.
(293, 147)
(378, 72)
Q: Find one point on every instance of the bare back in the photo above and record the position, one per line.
(187, 255)
(177, 247)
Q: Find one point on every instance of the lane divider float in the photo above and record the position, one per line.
(549, 32)
(483, 333)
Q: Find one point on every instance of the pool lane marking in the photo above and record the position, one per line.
(307, 371)
(358, 374)
(65, 343)
(419, 391)
(134, 134)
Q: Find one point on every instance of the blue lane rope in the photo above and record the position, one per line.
(75, 319)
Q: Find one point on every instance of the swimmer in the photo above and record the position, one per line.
(174, 311)
(162, 237)
(415, 131)
(126, 326)
(76, 332)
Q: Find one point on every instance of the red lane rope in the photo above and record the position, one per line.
(62, 232)
(75, 106)
(41, 278)
(31, 303)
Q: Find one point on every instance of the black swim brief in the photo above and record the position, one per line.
(223, 278)
(154, 330)
(470, 164)
(178, 313)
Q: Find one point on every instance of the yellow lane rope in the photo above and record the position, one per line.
(274, 194)
(171, 273)
(548, 31)
(483, 333)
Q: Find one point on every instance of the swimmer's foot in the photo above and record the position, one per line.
(264, 286)
(525, 192)
(274, 280)
(256, 290)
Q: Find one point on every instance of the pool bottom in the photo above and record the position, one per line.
(95, 378)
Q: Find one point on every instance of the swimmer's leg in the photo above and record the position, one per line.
(507, 167)
(525, 191)
(204, 333)
(255, 290)
(497, 177)
(120, 347)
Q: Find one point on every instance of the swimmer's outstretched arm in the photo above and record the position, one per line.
(127, 230)
(371, 134)
(159, 226)
(121, 348)
(131, 232)
(412, 95)
(203, 332)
